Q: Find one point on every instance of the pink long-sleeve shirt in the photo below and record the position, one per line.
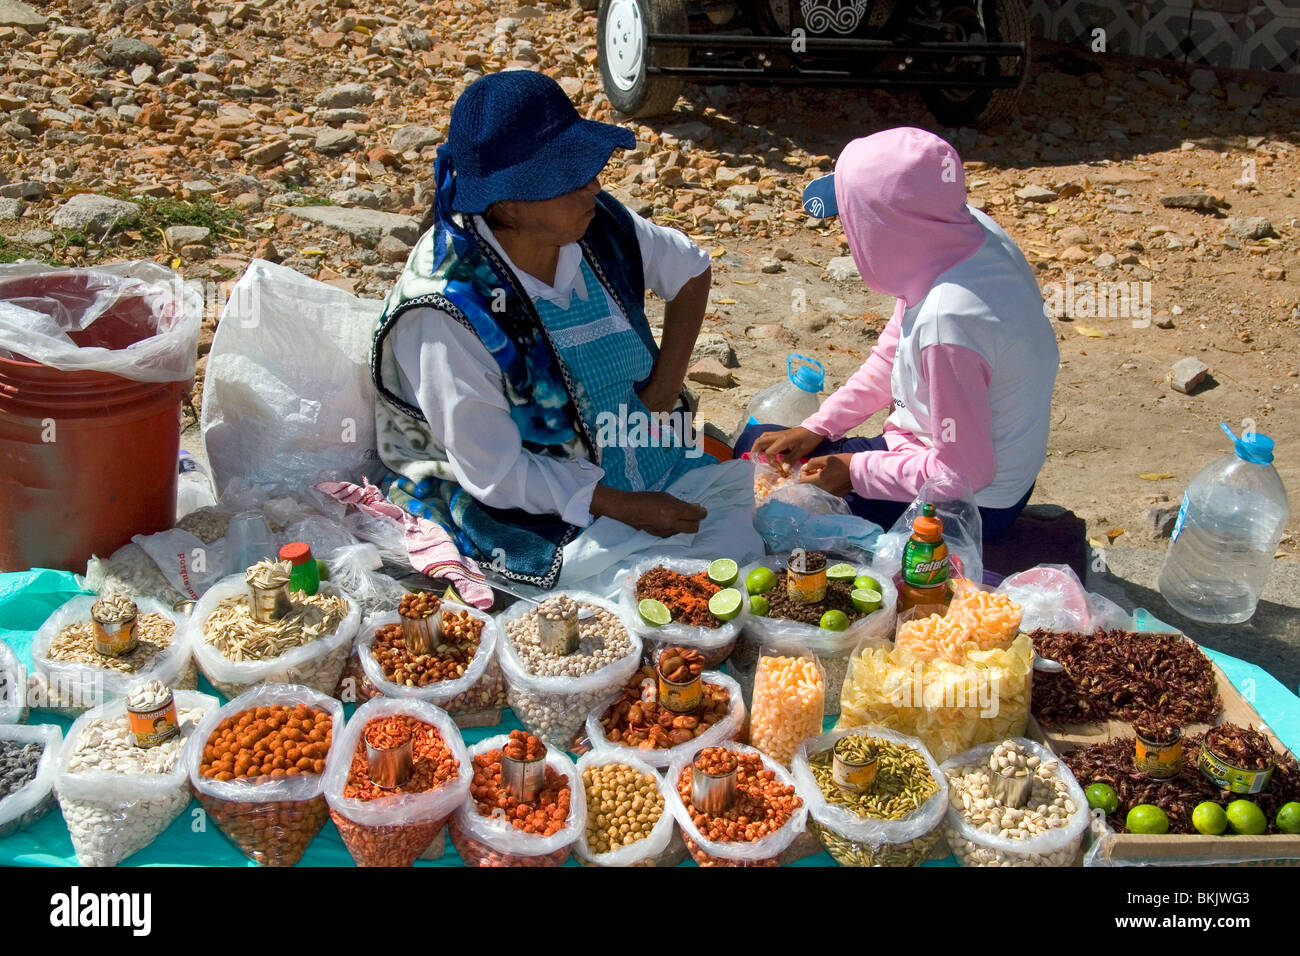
(958, 379)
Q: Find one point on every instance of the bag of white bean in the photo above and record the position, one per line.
(116, 798)
(610, 813)
(833, 648)
(495, 841)
(766, 850)
(982, 830)
(69, 676)
(855, 838)
(23, 806)
(473, 700)
(13, 687)
(552, 694)
(317, 663)
(729, 728)
(389, 830)
(715, 643)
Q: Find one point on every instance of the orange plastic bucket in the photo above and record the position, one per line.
(87, 459)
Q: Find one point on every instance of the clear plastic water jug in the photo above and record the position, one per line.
(789, 403)
(1228, 528)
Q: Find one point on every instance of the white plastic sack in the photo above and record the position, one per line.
(287, 395)
(13, 687)
(474, 833)
(354, 570)
(112, 815)
(863, 830)
(1056, 847)
(954, 504)
(1050, 597)
(72, 300)
(72, 687)
(189, 565)
(316, 664)
(401, 809)
(725, 730)
(715, 643)
(730, 853)
(644, 852)
(34, 799)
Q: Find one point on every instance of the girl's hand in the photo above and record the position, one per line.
(829, 473)
(789, 444)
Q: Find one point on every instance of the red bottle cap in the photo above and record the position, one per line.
(296, 552)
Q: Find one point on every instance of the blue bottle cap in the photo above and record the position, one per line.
(810, 376)
(1254, 447)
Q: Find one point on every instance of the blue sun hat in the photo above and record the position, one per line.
(515, 135)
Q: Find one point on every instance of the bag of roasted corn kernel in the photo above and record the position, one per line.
(270, 819)
(950, 706)
(728, 728)
(857, 839)
(656, 848)
(395, 828)
(474, 699)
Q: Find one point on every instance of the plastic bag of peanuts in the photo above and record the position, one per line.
(833, 648)
(774, 794)
(116, 797)
(626, 801)
(13, 687)
(896, 820)
(551, 694)
(715, 643)
(489, 837)
(247, 768)
(28, 802)
(397, 825)
(316, 663)
(474, 699)
(69, 676)
(983, 830)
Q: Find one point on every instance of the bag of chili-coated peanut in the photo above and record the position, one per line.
(495, 841)
(269, 819)
(396, 828)
(729, 728)
(715, 643)
(657, 848)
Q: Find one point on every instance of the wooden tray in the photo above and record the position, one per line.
(1183, 849)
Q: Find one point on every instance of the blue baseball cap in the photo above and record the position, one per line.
(516, 135)
(819, 197)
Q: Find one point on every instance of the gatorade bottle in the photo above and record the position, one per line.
(925, 563)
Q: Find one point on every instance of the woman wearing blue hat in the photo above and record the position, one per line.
(516, 337)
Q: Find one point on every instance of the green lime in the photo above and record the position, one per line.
(1288, 818)
(726, 604)
(835, 621)
(865, 582)
(723, 572)
(760, 580)
(1102, 797)
(758, 605)
(865, 600)
(841, 572)
(1209, 818)
(654, 612)
(322, 569)
(1147, 818)
(1245, 816)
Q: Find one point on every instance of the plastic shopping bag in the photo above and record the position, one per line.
(954, 503)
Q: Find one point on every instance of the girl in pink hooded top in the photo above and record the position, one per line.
(967, 361)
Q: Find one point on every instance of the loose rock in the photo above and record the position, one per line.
(1188, 375)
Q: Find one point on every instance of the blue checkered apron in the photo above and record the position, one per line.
(606, 357)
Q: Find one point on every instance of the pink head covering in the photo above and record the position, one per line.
(902, 200)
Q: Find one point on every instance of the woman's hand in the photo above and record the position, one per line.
(787, 445)
(829, 473)
(657, 512)
(660, 393)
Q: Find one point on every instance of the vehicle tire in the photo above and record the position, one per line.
(621, 30)
(1007, 22)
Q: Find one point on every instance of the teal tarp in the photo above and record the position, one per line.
(28, 598)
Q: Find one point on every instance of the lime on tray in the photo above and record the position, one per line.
(758, 605)
(760, 580)
(726, 604)
(1245, 816)
(1101, 796)
(1147, 818)
(1209, 818)
(835, 621)
(865, 600)
(654, 613)
(841, 572)
(723, 572)
(865, 582)
(1288, 818)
